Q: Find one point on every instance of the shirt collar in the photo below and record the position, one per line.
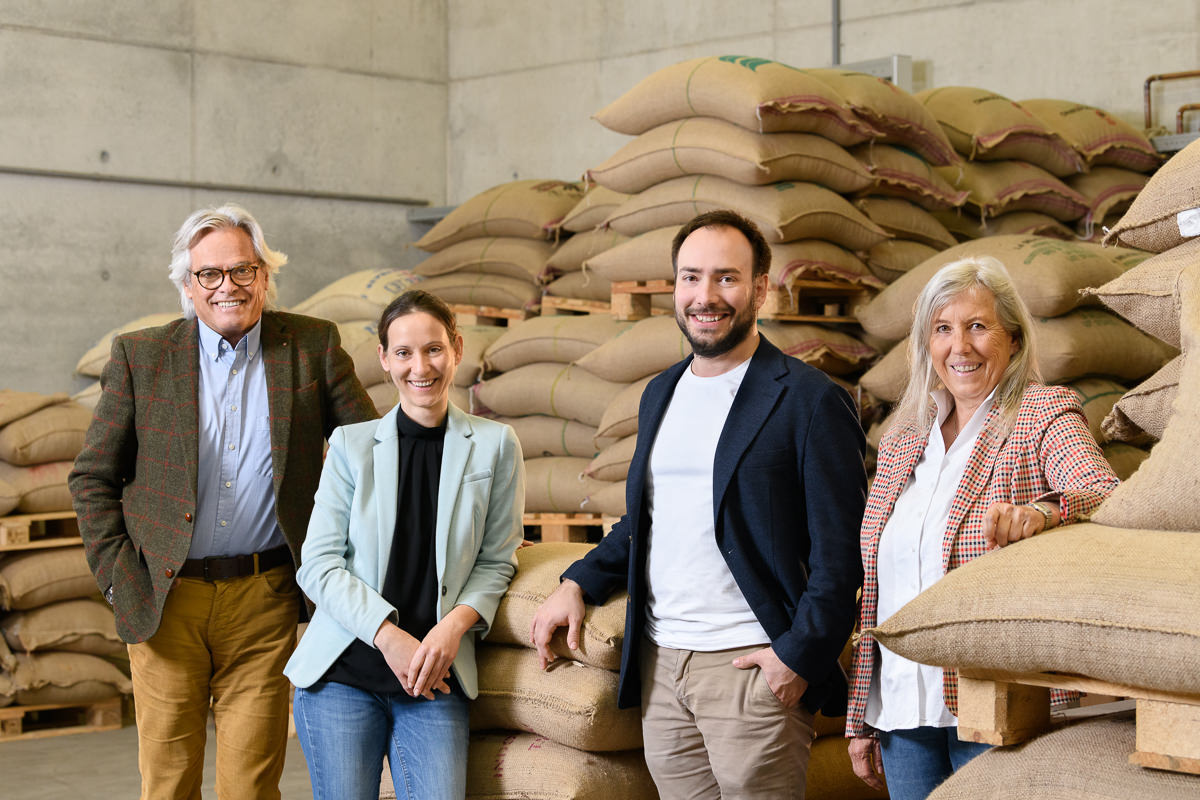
(945, 404)
(211, 342)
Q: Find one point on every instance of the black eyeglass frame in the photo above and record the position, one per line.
(212, 271)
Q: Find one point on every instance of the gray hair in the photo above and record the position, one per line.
(207, 220)
(915, 410)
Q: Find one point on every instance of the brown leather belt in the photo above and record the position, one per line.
(215, 568)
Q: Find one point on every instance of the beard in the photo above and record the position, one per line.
(741, 324)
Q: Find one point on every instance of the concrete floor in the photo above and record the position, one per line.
(104, 764)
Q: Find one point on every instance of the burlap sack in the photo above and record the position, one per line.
(1097, 396)
(571, 254)
(1143, 413)
(612, 463)
(541, 435)
(54, 433)
(587, 285)
(899, 173)
(755, 93)
(650, 346)
(1088, 760)
(620, 419)
(985, 126)
(522, 766)
(552, 339)
(9, 497)
(537, 576)
(1123, 458)
(8, 662)
(360, 340)
(78, 626)
(1111, 604)
(896, 114)
(89, 396)
(1108, 190)
(830, 775)
(1098, 136)
(476, 340)
(783, 212)
(592, 209)
(569, 391)
(645, 257)
(831, 351)
(67, 678)
(32, 579)
(14, 404)
(384, 396)
(906, 220)
(1047, 273)
(359, 295)
(966, 225)
(485, 290)
(570, 703)
(1147, 295)
(531, 209)
(609, 501)
(814, 259)
(1000, 187)
(510, 256)
(1153, 220)
(708, 146)
(888, 376)
(889, 260)
(92, 362)
(42, 487)
(557, 484)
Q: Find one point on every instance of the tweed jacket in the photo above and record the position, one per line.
(1050, 454)
(134, 483)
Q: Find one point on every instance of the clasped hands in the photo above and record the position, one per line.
(423, 666)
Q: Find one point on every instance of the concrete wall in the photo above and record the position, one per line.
(321, 118)
(525, 76)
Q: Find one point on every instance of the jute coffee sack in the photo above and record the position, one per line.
(968, 225)
(709, 146)
(609, 501)
(621, 417)
(592, 209)
(612, 463)
(359, 295)
(14, 405)
(1097, 396)
(570, 703)
(1108, 190)
(537, 576)
(899, 173)
(476, 340)
(830, 775)
(985, 126)
(896, 114)
(815, 259)
(559, 390)
(9, 497)
(906, 220)
(645, 257)
(510, 256)
(531, 209)
(649, 347)
(523, 766)
(1098, 136)
(67, 678)
(571, 254)
(78, 626)
(557, 484)
(8, 662)
(384, 396)
(783, 212)
(1142, 413)
(32, 579)
(542, 435)
(828, 350)
(1113, 604)
(998, 187)
(360, 340)
(485, 290)
(559, 339)
(889, 260)
(1123, 458)
(1148, 295)
(92, 362)
(54, 433)
(1086, 760)
(42, 487)
(88, 396)
(1047, 273)
(757, 94)
(1163, 215)
(888, 376)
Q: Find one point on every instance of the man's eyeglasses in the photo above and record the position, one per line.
(240, 274)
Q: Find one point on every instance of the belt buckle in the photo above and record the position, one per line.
(205, 562)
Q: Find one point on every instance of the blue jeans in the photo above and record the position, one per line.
(916, 760)
(345, 733)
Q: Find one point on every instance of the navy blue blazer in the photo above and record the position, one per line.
(789, 490)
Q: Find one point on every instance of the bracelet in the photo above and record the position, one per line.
(1047, 514)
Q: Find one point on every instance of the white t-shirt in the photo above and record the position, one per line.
(693, 602)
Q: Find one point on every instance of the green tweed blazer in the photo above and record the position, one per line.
(134, 483)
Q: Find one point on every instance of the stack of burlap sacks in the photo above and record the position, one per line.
(1049, 167)
(58, 640)
(1113, 599)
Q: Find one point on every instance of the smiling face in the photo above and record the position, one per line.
(969, 347)
(421, 360)
(230, 310)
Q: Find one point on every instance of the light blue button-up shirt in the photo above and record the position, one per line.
(235, 496)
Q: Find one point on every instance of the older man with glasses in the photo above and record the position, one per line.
(193, 492)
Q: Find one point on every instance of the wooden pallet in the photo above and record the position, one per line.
(488, 315)
(40, 722)
(1007, 708)
(805, 301)
(557, 306)
(563, 527)
(33, 531)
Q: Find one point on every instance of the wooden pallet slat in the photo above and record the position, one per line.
(44, 721)
(557, 527)
(552, 305)
(28, 531)
(805, 300)
(489, 315)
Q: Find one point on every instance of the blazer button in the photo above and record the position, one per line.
(188, 516)
(443, 591)
(170, 573)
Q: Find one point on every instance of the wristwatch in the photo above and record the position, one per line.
(1047, 514)
(108, 594)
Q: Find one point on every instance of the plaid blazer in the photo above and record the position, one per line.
(134, 483)
(1049, 452)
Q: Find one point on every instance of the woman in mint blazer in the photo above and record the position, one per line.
(410, 547)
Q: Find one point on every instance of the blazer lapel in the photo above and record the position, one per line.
(277, 363)
(755, 398)
(456, 451)
(386, 461)
(183, 371)
(975, 478)
(909, 449)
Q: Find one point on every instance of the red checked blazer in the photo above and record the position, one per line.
(134, 483)
(1049, 450)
